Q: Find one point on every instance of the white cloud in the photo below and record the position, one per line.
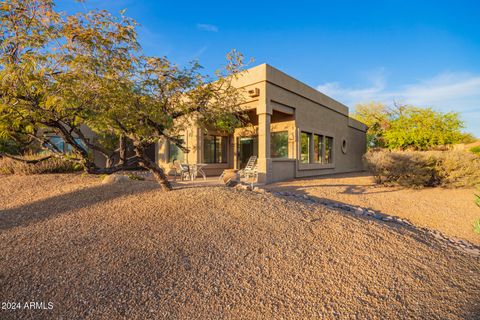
(459, 92)
(207, 27)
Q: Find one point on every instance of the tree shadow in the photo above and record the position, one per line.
(33, 212)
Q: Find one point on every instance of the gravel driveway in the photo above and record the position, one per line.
(129, 251)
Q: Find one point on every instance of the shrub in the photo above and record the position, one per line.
(424, 168)
(476, 226)
(52, 165)
(475, 150)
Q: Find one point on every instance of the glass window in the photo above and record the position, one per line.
(174, 152)
(328, 150)
(305, 146)
(58, 143)
(279, 144)
(317, 148)
(214, 149)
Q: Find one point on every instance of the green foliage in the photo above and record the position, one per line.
(63, 73)
(476, 226)
(377, 117)
(475, 150)
(424, 168)
(10, 146)
(408, 127)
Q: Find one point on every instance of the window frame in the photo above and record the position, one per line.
(215, 153)
(313, 163)
(287, 156)
(170, 144)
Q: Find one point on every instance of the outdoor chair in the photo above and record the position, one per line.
(250, 170)
(182, 170)
(197, 169)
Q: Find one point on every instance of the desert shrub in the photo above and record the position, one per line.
(457, 168)
(475, 150)
(476, 226)
(52, 165)
(424, 168)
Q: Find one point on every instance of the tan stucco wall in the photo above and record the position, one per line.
(287, 104)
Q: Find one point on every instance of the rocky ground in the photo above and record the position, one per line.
(127, 250)
(450, 211)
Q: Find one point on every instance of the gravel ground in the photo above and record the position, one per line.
(128, 250)
(451, 211)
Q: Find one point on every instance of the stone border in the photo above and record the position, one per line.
(459, 244)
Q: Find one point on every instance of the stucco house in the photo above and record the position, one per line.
(296, 132)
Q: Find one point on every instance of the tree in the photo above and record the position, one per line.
(422, 129)
(408, 127)
(60, 73)
(377, 118)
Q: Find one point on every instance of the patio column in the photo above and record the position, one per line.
(264, 161)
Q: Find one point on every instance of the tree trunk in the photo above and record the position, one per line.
(123, 149)
(157, 172)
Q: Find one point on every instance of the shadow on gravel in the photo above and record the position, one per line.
(37, 211)
(414, 231)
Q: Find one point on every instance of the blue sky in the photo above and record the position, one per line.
(425, 52)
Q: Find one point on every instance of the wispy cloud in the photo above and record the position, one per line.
(207, 27)
(448, 91)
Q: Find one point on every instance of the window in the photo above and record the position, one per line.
(62, 146)
(320, 146)
(328, 150)
(317, 148)
(214, 149)
(174, 152)
(305, 144)
(279, 144)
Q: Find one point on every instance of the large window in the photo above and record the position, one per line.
(305, 145)
(214, 149)
(279, 144)
(62, 146)
(321, 146)
(328, 150)
(174, 152)
(317, 148)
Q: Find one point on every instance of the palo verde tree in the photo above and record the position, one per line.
(61, 73)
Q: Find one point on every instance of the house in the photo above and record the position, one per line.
(296, 132)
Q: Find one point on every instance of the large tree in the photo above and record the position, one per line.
(60, 73)
(409, 127)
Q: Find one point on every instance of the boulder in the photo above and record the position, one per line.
(115, 178)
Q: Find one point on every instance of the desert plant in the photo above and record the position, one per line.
(476, 226)
(51, 165)
(450, 168)
(475, 150)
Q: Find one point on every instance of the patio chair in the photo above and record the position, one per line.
(182, 170)
(250, 169)
(198, 169)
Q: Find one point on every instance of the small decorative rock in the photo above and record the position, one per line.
(359, 211)
(115, 178)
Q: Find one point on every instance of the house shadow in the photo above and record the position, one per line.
(37, 211)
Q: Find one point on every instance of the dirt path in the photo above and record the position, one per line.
(129, 251)
(451, 211)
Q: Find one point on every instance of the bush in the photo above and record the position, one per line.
(475, 150)
(52, 165)
(424, 168)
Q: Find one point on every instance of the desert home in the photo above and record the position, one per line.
(296, 132)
